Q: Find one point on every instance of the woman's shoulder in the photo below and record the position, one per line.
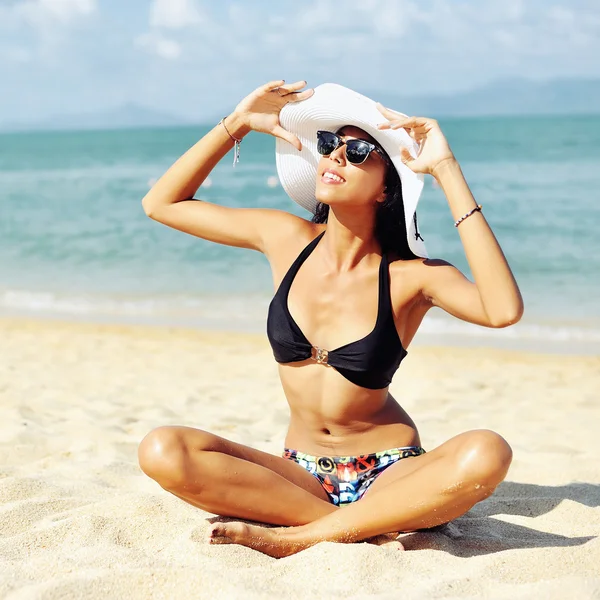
(414, 275)
(290, 234)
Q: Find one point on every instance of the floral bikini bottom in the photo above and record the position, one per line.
(347, 478)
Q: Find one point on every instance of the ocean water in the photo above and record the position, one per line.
(75, 242)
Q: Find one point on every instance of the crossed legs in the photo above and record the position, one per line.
(230, 479)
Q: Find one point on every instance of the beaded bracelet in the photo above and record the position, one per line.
(457, 223)
(236, 154)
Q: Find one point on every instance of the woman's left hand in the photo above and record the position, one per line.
(433, 146)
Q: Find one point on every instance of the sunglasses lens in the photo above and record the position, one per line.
(357, 151)
(326, 142)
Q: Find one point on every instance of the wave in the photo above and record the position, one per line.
(555, 331)
(248, 313)
(176, 309)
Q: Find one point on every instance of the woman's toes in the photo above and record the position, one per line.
(217, 534)
(394, 545)
(227, 533)
(389, 541)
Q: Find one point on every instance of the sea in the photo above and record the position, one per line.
(75, 243)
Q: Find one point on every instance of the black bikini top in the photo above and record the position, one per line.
(369, 362)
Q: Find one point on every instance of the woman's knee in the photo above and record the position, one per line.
(164, 454)
(484, 458)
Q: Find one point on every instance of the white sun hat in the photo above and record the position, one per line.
(329, 108)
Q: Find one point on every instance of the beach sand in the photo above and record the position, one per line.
(80, 520)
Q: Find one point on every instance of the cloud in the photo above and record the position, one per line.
(213, 53)
(378, 17)
(155, 43)
(412, 46)
(171, 15)
(33, 31)
(189, 18)
(436, 23)
(175, 14)
(41, 13)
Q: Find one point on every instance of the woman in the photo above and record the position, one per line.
(352, 467)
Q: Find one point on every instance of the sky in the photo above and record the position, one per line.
(197, 59)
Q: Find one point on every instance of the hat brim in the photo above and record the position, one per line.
(329, 108)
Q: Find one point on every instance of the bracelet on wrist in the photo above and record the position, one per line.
(237, 142)
(474, 210)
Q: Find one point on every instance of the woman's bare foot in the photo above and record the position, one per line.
(387, 540)
(277, 541)
(273, 542)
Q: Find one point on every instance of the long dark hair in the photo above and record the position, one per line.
(390, 228)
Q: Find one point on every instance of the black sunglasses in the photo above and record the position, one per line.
(357, 151)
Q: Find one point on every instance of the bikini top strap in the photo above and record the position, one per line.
(385, 293)
(289, 276)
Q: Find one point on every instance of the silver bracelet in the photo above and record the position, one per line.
(237, 143)
(459, 221)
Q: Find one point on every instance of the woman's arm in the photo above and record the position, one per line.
(494, 300)
(188, 173)
(171, 202)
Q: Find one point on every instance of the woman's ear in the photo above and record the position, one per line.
(383, 195)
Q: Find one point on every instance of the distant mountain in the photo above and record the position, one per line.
(122, 117)
(504, 97)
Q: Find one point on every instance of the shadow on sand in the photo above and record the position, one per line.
(478, 532)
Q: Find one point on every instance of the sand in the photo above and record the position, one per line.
(80, 520)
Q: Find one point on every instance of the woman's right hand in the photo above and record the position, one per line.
(260, 110)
